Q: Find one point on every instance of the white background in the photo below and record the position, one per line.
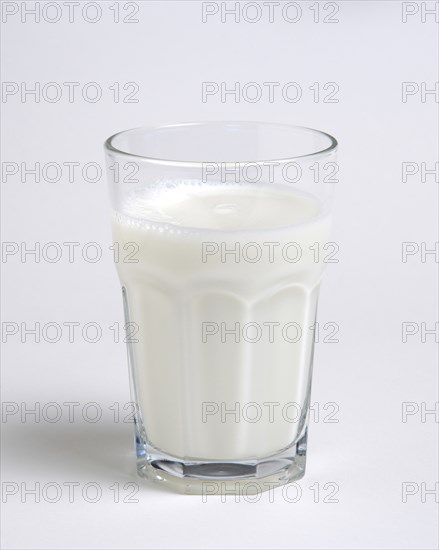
(370, 453)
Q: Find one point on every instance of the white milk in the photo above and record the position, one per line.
(224, 304)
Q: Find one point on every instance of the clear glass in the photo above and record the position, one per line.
(222, 233)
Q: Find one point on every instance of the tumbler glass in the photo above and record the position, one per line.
(222, 234)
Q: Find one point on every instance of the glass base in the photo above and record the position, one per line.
(199, 477)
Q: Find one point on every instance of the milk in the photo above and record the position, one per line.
(224, 294)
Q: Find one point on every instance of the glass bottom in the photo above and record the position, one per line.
(198, 477)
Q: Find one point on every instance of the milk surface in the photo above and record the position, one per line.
(224, 293)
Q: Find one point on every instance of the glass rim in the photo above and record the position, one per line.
(110, 147)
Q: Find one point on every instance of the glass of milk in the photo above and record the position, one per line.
(222, 233)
